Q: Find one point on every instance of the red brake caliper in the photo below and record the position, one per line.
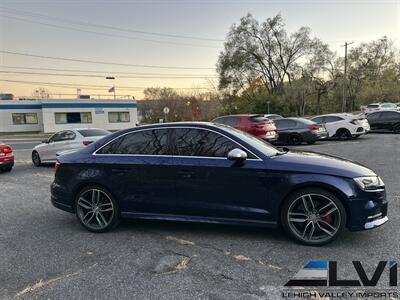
(328, 219)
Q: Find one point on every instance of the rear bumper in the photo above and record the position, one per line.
(61, 198)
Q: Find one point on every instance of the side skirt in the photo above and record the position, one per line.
(184, 218)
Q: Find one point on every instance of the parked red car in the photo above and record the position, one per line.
(6, 158)
(257, 125)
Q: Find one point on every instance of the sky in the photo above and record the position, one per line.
(180, 40)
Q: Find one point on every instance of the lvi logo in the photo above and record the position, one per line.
(324, 273)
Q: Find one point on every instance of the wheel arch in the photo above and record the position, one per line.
(330, 188)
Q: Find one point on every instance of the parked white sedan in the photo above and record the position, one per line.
(65, 140)
(343, 126)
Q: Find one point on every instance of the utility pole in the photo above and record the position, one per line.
(344, 100)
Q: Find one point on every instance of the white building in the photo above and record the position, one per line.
(52, 115)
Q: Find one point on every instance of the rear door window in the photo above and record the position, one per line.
(330, 119)
(390, 115)
(318, 120)
(144, 142)
(232, 121)
(93, 132)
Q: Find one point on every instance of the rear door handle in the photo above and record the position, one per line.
(185, 173)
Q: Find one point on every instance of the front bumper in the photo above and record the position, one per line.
(376, 223)
(368, 211)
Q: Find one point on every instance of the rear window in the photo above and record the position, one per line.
(258, 119)
(93, 132)
(372, 106)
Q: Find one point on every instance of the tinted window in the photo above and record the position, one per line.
(318, 119)
(93, 132)
(63, 136)
(199, 142)
(374, 116)
(373, 106)
(259, 119)
(220, 120)
(284, 123)
(232, 121)
(329, 119)
(145, 142)
(390, 115)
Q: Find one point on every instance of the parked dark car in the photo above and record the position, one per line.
(256, 125)
(295, 131)
(384, 121)
(203, 172)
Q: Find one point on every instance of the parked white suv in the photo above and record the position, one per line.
(343, 126)
(65, 140)
(373, 107)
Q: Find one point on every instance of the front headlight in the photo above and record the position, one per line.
(370, 183)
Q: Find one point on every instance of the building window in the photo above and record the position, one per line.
(118, 117)
(73, 117)
(24, 118)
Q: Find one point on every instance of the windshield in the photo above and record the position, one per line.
(261, 145)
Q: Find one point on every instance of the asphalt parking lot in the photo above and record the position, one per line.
(46, 254)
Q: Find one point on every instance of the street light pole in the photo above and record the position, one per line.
(344, 100)
(113, 87)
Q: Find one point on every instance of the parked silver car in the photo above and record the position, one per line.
(65, 140)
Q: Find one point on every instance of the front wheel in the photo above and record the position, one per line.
(313, 216)
(96, 209)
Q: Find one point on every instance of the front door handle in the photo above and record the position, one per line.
(186, 174)
(120, 171)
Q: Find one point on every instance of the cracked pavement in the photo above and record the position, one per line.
(46, 254)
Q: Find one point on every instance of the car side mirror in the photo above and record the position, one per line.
(237, 155)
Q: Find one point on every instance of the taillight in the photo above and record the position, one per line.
(57, 166)
(87, 142)
(5, 150)
(313, 127)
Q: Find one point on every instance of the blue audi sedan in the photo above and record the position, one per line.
(204, 172)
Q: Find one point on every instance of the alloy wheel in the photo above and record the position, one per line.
(314, 218)
(36, 159)
(95, 209)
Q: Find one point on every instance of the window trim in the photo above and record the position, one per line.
(119, 112)
(73, 112)
(24, 114)
(181, 156)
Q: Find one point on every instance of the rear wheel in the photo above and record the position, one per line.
(295, 139)
(36, 159)
(96, 209)
(343, 134)
(313, 216)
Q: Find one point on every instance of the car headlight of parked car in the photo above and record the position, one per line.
(370, 183)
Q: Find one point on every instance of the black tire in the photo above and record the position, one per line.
(98, 209)
(6, 169)
(396, 128)
(36, 159)
(320, 226)
(295, 139)
(311, 142)
(343, 134)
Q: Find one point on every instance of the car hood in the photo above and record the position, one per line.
(311, 162)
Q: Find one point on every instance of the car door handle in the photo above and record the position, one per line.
(186, 173)
(120, 171)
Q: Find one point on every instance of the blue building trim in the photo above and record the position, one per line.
(89, 105)
(22, 106)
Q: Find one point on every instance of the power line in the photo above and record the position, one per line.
(112, 27)
(108, 34)
(103, 63)
(105, 72)
(87, 86)
(99, 76)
